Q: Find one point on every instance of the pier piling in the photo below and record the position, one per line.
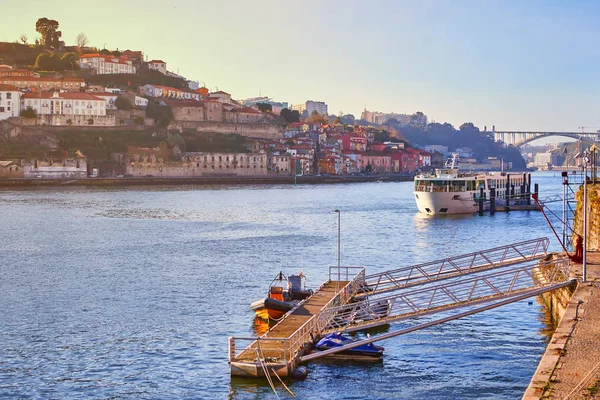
(492, 201)
(480, 201)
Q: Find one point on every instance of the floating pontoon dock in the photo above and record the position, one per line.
(351, 301)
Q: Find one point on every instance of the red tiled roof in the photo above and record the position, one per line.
(221, 92)
(64, 95)
(247, 110)
(157, 61)
(29, 79)
(8, 88)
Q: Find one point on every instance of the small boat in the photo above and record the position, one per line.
(284, 294)
(334, 340)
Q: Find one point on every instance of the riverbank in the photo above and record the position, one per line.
(570, 366)
(203, 180)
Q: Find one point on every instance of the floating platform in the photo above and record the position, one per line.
(278, 350)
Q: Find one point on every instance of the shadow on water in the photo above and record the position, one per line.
(549, 323)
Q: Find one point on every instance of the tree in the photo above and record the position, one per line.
(337, 121)
(69, 122)
(418, 119)
(69, 61)
(90, 121)
(48, 28)
(23, 38)
(123, 103)
(290, 116)
(468, 127)
(139, 120)
(42, 62)
(29, 113)
(162, 115)
(265, 107)
(81, 40)
(317, 118)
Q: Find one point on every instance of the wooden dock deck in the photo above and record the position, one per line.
(273, 349)
(279, 350)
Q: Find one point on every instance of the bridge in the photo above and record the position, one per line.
(519, 138)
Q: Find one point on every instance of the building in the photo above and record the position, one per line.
(221, 96)
(142, 162)
(158, 65)
(439, 148)
(280, 163)
(308, 107)
(11, 169)
(107, 64)
(65, 103)
(109, 98)
(169, 92)
(69, 167)
(276, 106)
(379, 118)
(44, 84)
(18, 72)
(68, 108)
(10, 102)
(137, 101)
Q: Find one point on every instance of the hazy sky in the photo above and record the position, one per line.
(513, 64)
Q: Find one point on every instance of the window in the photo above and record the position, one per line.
(9, 95)
(1, 109)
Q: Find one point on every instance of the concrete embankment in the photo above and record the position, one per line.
(570, 367)
(203, 180)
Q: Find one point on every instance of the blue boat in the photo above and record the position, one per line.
(334, 340)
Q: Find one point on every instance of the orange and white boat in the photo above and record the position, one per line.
(284, 294)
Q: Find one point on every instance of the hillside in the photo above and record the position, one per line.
(99, 145)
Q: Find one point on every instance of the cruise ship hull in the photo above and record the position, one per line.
(439, 203)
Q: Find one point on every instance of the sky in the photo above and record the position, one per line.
(517, 65)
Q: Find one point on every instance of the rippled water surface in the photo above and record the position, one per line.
(114, 293)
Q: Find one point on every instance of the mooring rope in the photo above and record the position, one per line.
(264, 368)
(583, 381)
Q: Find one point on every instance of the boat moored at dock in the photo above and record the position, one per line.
(447, 191)
(284, 294)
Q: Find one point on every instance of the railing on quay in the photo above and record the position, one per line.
(295, 343)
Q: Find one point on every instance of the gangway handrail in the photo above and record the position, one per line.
(439, 296)
(372, 339)
(491, 258)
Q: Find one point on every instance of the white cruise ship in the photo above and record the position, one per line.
(449, 192)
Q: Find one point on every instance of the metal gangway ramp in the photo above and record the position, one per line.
(475, 289)
(456, 266)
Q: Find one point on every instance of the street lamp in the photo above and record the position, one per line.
(586, 160)
(339, 248)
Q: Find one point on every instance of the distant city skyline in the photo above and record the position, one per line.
(512, 64)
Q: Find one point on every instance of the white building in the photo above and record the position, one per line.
(158, 65)
(221, 96)
(104, 64)
(66, 103)
(10, 102)
(310, 106)
(432, 148)
(169, 92)
(109, 98)
(141, 102)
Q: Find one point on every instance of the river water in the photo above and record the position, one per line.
(132, 293)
